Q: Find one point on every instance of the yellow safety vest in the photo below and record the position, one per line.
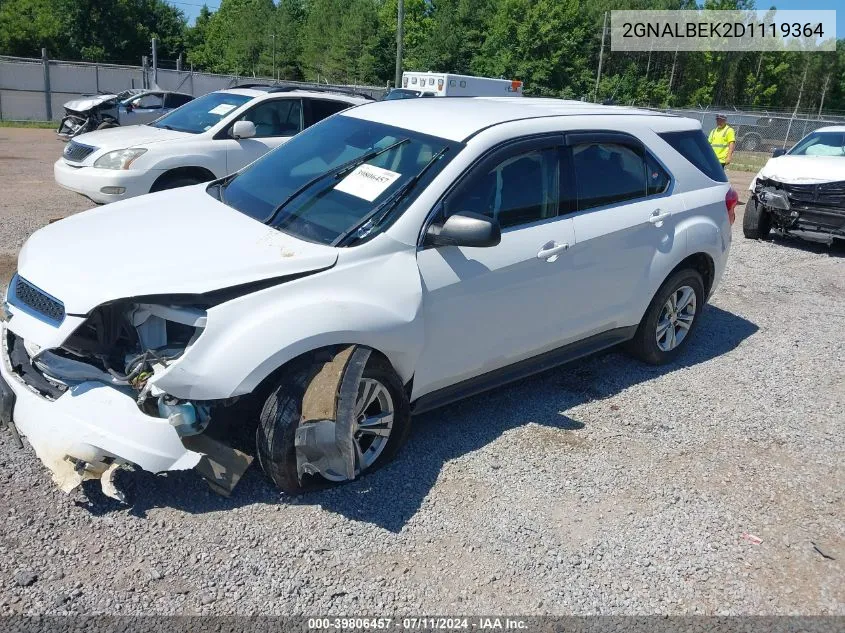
(720, 140)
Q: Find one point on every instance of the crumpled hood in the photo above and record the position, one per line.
(796, 170)
(86, 103)
(128, 136)
(181, 241)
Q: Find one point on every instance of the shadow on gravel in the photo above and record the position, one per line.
(837, 249)
(391, 496)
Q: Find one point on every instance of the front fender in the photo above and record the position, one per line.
(376, 303)
(166, 163)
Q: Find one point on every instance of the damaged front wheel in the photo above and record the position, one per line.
(332, 421)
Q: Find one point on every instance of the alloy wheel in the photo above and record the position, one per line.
(676, 318)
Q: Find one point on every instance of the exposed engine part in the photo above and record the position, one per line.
(324, 441)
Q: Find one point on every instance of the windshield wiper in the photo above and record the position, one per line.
(337, 172)
(375, 217)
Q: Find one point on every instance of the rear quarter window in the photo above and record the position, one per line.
(693, 145)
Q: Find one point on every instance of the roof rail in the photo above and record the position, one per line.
(250, 86)
(343, 91)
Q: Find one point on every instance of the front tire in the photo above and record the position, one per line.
(756, 223)
(670, 320)
(381, 394)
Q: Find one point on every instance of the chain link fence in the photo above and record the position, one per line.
(36, 89)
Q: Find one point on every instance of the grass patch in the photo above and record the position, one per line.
(749, 161)
(43, 125)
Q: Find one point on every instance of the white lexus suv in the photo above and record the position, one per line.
(389, 260)
(207, 138)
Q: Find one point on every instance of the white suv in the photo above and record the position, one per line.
(207, 138)
(390, 260)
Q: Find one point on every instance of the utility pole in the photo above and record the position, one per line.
(671, 78)
(400, 43)
(824, 90)
(601, 58)
(797, 103)
(273, 35)
(155, 62)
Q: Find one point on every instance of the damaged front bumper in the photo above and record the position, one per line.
(89, 428)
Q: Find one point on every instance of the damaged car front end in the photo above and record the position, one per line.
(814, 211)
(801, 192)
(89, 406)
(92, 112)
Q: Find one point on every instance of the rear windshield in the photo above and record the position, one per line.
(693, 145)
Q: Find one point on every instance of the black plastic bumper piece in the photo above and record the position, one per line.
(7, 403)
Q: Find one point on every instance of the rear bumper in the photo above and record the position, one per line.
(91, 181)
(92, 423)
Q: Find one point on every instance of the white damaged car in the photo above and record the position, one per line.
(801, 192)
(389, 260)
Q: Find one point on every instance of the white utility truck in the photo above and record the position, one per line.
(418, 84)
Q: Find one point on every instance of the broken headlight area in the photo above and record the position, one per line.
(125, 344)
(103, 374)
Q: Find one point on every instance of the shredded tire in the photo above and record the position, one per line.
(282, 413)
(756, 223)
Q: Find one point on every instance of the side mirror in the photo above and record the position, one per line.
(778, 152)
(243, 129)
(465, 229)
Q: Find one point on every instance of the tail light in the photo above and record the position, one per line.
(731, 200)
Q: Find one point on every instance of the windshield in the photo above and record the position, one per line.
(820, 144)
(201, 114)
(312, 188)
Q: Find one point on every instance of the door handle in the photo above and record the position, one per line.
(551, 250)
(657, 217)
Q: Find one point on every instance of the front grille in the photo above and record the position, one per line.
(36, 300)
(77, 152)
(827, 194)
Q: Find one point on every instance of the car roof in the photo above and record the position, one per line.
(458, 118)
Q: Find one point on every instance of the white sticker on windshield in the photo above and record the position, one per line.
(367, 182)
(222, 109)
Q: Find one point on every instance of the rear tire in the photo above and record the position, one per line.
(670, 320)
(756, 223)
(282, 414)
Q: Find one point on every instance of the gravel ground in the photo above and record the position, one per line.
(603, 487)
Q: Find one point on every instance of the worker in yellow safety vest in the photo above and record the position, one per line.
(722, 139)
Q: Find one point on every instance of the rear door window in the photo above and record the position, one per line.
(175, 100)
(693, 145)
(608, 173)
(322, 108)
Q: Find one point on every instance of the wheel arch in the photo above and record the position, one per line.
(703, 264)
(203, 174)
